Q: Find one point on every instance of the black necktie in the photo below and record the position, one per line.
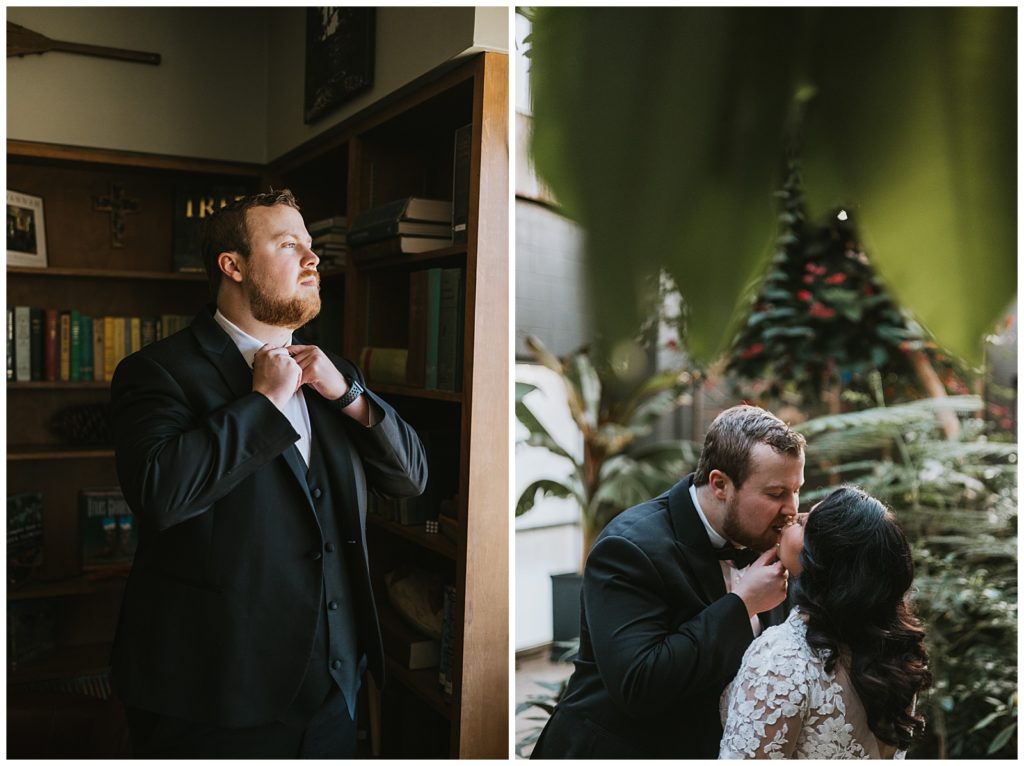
(741, 557)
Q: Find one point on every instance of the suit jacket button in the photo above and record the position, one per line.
(329, 547)
(316, 555)
(336, 664)
(317, 492)
(333, 605)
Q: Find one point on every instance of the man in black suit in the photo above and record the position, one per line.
(248, 619)
(667, 613)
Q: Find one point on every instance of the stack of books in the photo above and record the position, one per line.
(330, 241)
(409, 225)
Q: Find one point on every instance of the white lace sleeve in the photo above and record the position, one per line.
(765, 705)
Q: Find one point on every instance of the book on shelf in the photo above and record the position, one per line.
(450, 329)
(107, 529)
(436, 319)
(85, 367)
(403, 643)
(192, 204)
(330, 240)
(22, 344)
(463, 158)
(383, 365)
(446, 663)
(31, 630)
(64, 348)
(51, 340)
(407, 511)
(10, 344)
(386, 248)
(388, 229)
(35, 337)
(24, 535)
(405, 209)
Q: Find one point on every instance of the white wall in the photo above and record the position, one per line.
(207, 97)
(230, 85)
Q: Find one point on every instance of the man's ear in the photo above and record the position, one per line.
(720, 484)
(229, 264)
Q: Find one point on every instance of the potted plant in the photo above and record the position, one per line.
(614, 469)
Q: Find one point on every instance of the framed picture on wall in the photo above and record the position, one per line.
(26, 230)
(339, 57)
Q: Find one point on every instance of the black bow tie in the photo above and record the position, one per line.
(741, 557)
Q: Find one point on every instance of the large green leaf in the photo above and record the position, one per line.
(539, 435)
(542, 488)
(660, 130)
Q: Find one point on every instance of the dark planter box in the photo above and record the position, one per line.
(565, 611)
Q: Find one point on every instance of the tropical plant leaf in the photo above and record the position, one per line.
(546, 487)
(539, 436)
(584, 379)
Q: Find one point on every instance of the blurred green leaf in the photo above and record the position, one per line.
(661, 130)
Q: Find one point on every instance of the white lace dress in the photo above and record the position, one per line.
(782, 704)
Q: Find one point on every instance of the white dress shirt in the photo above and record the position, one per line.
(295, 410)
(730, 573)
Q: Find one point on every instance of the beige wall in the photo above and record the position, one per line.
(207, 98)
(230, 85)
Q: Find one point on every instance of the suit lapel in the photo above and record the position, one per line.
(339, 461)
(225, 356)
(692, 538)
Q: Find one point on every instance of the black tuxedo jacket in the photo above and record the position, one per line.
(222, 603)
(659, 640)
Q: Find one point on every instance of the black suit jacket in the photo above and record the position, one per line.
(659, 640)
(222, 603)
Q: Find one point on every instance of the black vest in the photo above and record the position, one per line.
(337, 656)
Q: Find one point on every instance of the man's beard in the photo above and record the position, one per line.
(733, 529)
(281, 312)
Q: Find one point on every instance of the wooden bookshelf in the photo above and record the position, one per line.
(86, 271)
(402, 148)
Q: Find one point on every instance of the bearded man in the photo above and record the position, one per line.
(670, 603)
(248, 620)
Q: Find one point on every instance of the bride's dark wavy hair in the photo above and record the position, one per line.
(856, 571)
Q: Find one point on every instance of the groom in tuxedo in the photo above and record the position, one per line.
(248, 619)
(674, 590)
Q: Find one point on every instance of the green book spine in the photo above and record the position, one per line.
(433, 326)
(85, 355)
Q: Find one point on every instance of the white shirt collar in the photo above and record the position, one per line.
(247, 345)
(717, 541)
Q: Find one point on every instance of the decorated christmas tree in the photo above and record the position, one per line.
(822, 319)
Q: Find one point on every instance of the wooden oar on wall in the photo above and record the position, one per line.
(23, 42)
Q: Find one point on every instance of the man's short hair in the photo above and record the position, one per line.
(226, 231)
(733, 436)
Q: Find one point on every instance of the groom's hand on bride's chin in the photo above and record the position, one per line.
(763, 586)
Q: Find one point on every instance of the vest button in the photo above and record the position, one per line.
(317, 492)
(316, 555)
(329, 547)
(336, 664)
(333, 605)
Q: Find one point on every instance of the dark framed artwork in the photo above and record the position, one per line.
(339, 57)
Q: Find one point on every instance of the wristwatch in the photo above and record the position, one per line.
(355, 390)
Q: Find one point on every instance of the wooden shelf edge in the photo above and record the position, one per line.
(81, 585)
(15, 452)
(57, 385)
(422, 683)
(61, 271)
(65, 662)
(437, 543)
(407, 260)
(66, 153)
(416, 393)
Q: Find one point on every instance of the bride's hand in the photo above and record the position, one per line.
(764, 582)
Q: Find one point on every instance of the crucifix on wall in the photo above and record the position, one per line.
(118, 205)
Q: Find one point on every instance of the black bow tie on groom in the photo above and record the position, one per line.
(741, 557)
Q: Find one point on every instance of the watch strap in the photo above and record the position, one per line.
(355, 390)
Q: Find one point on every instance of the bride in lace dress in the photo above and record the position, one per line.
(840, 677)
